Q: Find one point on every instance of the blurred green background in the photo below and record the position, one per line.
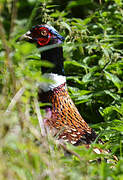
(93, 31)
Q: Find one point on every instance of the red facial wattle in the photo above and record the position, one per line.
(44, 41)
(42, 35)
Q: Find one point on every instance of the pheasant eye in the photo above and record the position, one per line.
(44, 33)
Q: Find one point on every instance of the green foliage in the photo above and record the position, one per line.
(94, 68)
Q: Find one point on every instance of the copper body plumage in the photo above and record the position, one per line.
(65, 118)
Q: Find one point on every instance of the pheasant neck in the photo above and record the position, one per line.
(54, 56)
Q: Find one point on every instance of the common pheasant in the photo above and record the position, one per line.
(62, 117)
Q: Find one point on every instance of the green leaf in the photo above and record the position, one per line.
(117, 82)
(78, 3)
(113, 95)
(87, 77)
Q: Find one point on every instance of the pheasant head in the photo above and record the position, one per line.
(44, 35)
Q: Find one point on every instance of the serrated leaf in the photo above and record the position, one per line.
(113, 95)
(117, 82)
(75, 63)
(87, 77)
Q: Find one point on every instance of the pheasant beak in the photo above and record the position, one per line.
(25, 37)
